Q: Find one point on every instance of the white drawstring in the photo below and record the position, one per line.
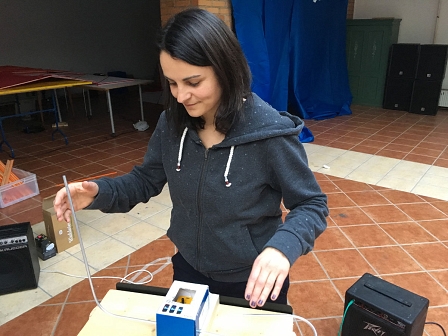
(179, 156)
(229, 161)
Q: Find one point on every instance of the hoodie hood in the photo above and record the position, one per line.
(261, 121)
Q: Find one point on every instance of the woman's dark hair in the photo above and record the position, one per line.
(199, 38)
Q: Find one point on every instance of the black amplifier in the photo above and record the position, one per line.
(19, 264)
(379, 308)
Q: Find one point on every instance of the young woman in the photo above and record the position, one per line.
(229, 160)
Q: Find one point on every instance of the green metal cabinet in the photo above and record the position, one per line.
(368, 44)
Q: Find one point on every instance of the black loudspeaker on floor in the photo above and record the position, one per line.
(414, 77)
(19, 263)
(376, 307)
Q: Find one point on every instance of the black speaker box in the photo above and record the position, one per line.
(403, 60)
(377, 307)
(425, 97)
(432, 62)
(19, 263)
(398, 94)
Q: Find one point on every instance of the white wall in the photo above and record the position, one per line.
(419, 23)
(81, 35)
(442, 24)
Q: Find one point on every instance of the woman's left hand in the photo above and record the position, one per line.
(268, 273)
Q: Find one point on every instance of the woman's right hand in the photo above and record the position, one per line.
(82, 194)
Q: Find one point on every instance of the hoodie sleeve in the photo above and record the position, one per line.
(302, 196)
(122, 193)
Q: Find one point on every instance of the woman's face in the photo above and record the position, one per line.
(196, 87)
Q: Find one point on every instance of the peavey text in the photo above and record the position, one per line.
(374, 328)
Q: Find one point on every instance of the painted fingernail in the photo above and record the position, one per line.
(260, 302)
(273, 297)
(253, 304)
(248, 297)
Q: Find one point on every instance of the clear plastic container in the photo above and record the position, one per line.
(17, 191)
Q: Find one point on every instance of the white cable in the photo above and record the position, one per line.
(86, 264)
(300, 318)
(109, 277)
(154, 262)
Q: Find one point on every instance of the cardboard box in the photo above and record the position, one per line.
(62, 234)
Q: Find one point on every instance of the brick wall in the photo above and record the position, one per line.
(222, 8)
(350, 9)
(170, 7)
(219, 7)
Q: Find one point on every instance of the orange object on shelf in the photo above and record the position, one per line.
(12, 188)
(6, 173)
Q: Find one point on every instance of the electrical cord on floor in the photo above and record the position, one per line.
(124, 279)
(300, 318)
(439, 325)
(343, 316)
(166, 261)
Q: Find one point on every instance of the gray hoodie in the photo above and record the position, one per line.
(226, 199)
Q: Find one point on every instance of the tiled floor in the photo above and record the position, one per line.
(385, 173)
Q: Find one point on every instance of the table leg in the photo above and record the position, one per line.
(39, 102)
(141, 101)
(87, 102)
(17, 106)
(84, 99)
(90, 104)
(67, 92)
(56, 111)
(109, 105)
(4, 140)
(57, 105)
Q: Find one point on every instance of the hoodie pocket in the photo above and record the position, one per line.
(248, 244)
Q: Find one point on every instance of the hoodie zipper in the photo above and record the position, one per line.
(201, 183)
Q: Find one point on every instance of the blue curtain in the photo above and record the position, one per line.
(296, 52)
